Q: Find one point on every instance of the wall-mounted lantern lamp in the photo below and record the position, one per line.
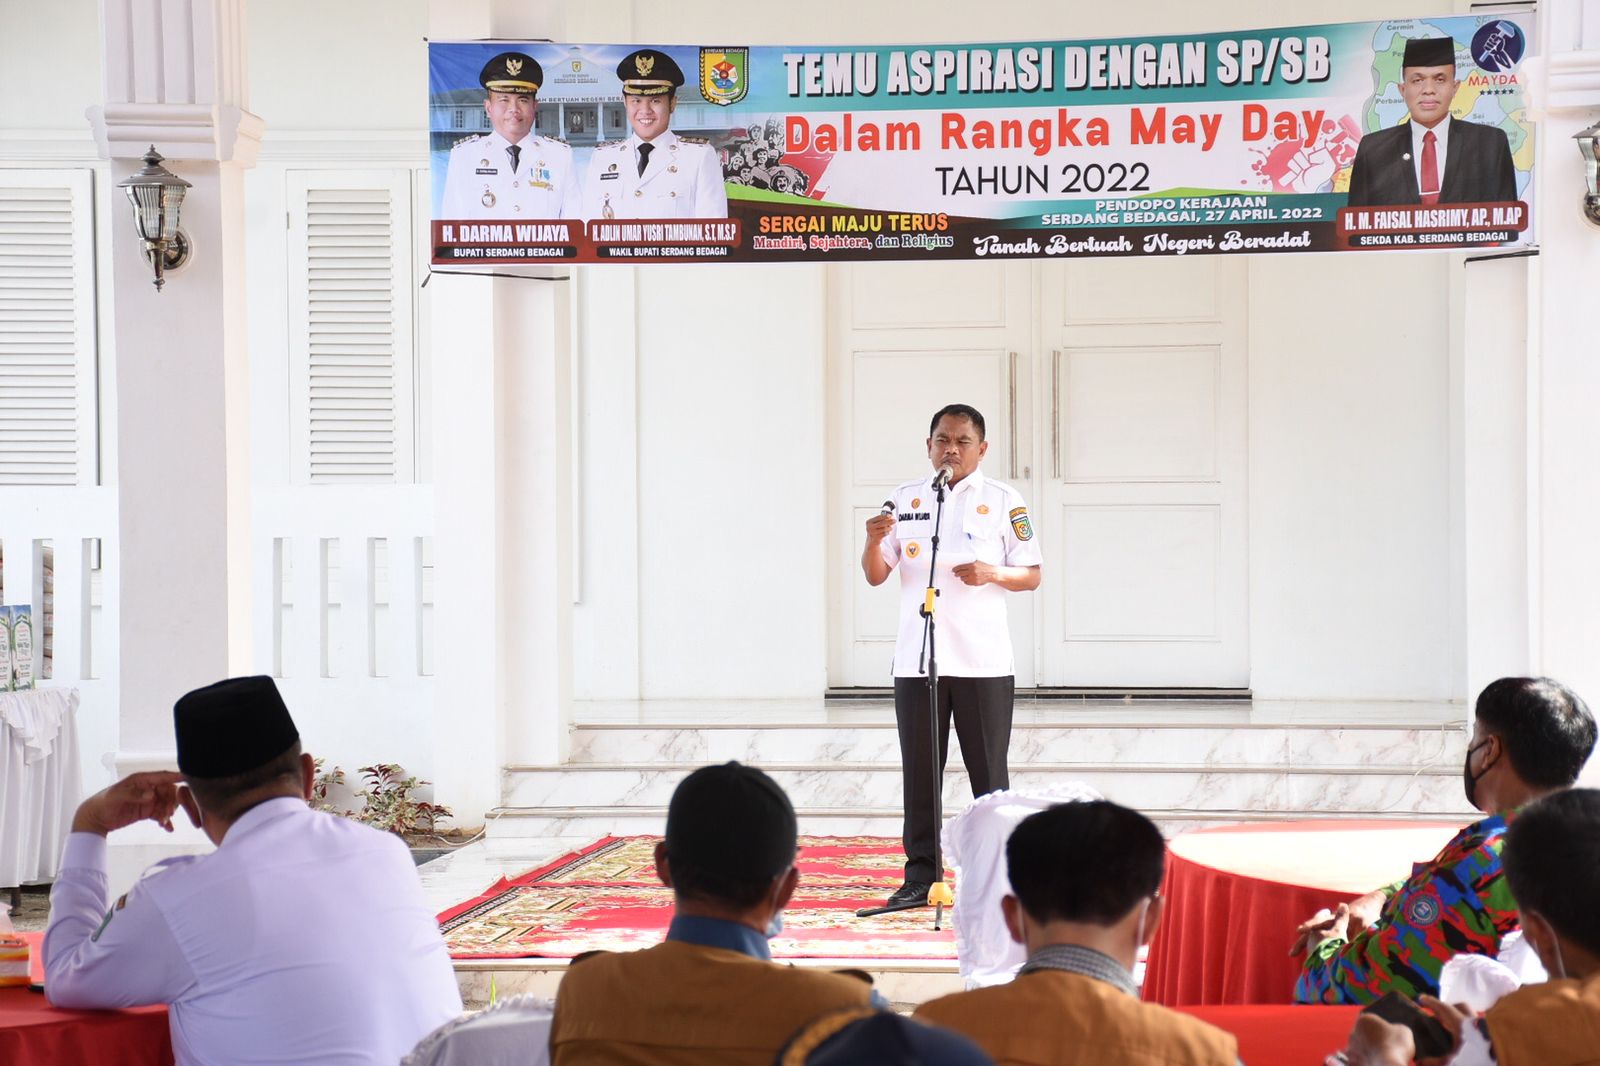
(1588, 144)
(157, 196)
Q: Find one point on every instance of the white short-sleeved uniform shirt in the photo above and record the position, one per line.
(984, 521)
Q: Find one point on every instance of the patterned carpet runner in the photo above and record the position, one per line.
(606, 897)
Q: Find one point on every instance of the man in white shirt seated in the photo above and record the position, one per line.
(304, 938)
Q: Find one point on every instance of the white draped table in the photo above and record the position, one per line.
(39, 781)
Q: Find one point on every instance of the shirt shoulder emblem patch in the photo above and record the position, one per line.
(122, 902)
(912, 550)
(1423, 910)
(1020, 525)
(983, 508)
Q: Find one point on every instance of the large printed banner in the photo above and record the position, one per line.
(1407, 134)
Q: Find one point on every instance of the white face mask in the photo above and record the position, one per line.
(1138, 934)
(775, 926)
(1559, 970)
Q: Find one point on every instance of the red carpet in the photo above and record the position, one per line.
(606, 897)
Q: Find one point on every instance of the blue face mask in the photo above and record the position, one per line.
(775, 926)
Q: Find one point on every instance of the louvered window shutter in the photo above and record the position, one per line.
(47, 328)
(352, 330)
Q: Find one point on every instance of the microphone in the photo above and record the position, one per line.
(888, 507)
(942, 478)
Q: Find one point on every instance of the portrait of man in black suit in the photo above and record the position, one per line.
(1434, 158)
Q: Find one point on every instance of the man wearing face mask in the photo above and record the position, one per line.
(1530, 738)
(1552, 861)
(1087, 880)
(710, 993)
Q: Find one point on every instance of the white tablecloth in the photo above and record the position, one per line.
(40, 783)
(974, 842)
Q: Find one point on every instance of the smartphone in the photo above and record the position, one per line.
(1432, 1038)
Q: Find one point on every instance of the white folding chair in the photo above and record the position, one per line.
(975, 844)
(513, 1032)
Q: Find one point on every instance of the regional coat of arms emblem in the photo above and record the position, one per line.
(724, 74)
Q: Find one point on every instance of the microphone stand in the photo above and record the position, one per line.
(939, 894)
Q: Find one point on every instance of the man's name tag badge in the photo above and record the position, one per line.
(1020, 525)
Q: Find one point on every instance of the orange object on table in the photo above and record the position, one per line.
(33, 1033)
(1235, 894)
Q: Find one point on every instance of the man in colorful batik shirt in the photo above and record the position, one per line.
(1530, 738)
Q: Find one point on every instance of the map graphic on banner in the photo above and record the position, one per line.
(1342, 137)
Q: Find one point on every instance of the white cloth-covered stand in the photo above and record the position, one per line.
(975, 844)
(513, 1032)
(40, 783)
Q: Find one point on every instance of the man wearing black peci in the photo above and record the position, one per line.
(1433, 158)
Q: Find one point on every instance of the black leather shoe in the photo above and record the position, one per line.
(911, 894)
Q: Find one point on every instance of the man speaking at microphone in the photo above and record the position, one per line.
(986, 549)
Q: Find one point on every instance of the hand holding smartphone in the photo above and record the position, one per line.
(1433, 1040)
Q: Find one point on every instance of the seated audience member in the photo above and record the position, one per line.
(863, 1036)
(710, 993)
(304, 938)
(1531, 737)
(1086, 880)
(1552, 861)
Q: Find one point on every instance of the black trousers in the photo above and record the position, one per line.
(982, 708)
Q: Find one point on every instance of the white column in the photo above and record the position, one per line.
(606, 638)
(1493, 400)
(174, 77)
(503, 497)
(1564, 471)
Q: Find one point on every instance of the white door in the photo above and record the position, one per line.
(907, 339)
(1141, 497)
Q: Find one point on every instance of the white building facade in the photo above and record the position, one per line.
(446, 515)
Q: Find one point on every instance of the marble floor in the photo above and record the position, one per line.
(1190, 762)
(1128, 712)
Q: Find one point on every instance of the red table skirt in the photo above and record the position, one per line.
(1231, 910)
(33, 1033)
(1282, 1036)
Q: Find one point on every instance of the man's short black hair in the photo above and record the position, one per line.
(1552, 863)
(1547, 730)
(1085, 862)
(730, 833)
(221, 797)
(958, 410)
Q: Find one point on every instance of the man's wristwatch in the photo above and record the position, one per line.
(1337, 1058)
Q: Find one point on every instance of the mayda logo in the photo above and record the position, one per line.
(1498, 45)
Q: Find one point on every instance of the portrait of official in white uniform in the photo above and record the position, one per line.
(512, 172)
(654, 173)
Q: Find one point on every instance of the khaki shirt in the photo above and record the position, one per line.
(1057, 1018)
(682, 1004)
(1553, 1024)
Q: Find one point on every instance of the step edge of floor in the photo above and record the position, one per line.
(1365, 770)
